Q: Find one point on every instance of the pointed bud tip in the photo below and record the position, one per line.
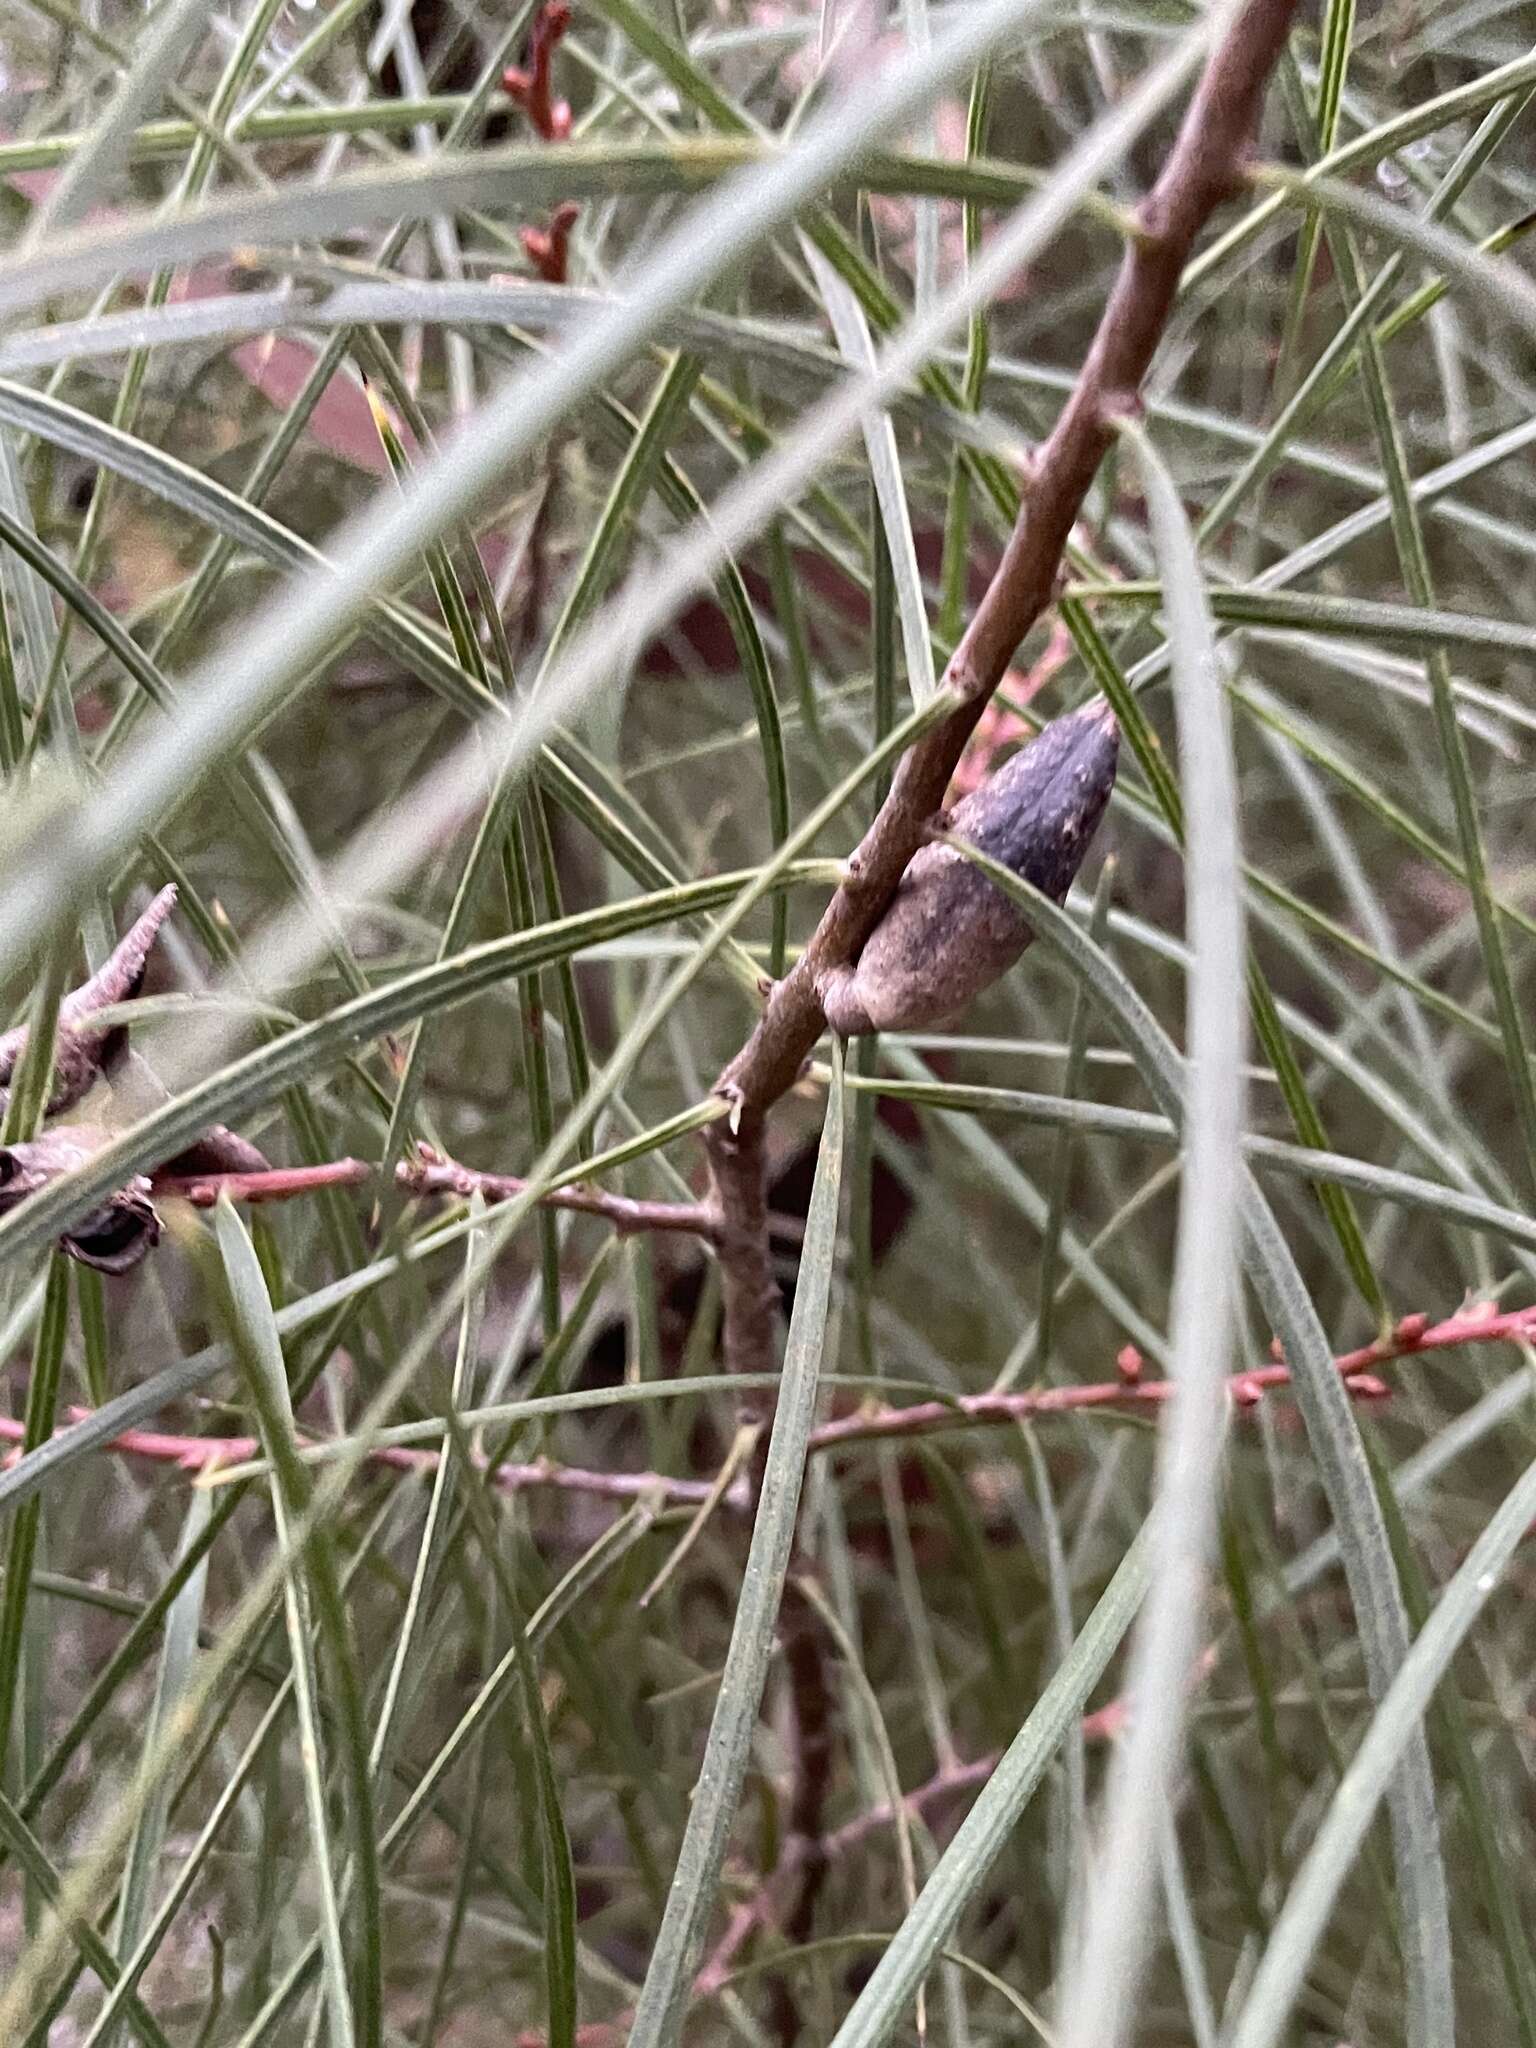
(1098, 711)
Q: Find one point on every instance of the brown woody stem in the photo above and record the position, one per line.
(1201, 170)
(811, 1706)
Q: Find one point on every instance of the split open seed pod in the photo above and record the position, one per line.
(113, 1237)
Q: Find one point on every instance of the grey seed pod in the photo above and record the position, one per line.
(115, 1237)
(948, 932)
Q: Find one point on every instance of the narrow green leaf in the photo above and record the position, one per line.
(31, 1084)
(429, 1558)
(1100, 1995)
(979, 1839)
(1332, 1431)
(1272, 1035)
(32, 1857)
(1396, 1726)
(668, 405)
(660, 2010)
(1454, 1737)
(1295, 1162)
(857, 346)
(183, 1623)
(1346, 618)
(37, 1427)
(95, 164)
(1058, 1185)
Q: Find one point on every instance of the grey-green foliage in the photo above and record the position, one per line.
(361, 1745)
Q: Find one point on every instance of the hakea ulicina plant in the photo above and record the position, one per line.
(88, 1048)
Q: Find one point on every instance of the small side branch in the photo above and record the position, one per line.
(1482, 1324)
(431, 1173)
(272, 1184)
(210, 1454)
(80, 1051)
(1414, 1334)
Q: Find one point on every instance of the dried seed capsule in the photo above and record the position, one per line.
(112, 1238)
(948, 932)
(81, 1053)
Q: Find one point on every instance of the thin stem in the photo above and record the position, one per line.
(1126, 1393)
(1203, 169)
(430, 1173)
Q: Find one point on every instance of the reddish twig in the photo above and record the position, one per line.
(530, 88)
(275, 1184)
(544, 1474)
(547, 249)
(1481, 1324)
(431, 1173)
(219, 1163)
(985, 1411)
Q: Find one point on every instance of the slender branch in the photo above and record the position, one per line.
(1480, 1324)
(749, 1292)
(985, 1411)
(212, 1453)
(1201, 171)
(544, 1474)
(274, 1184)
(430, 1173)
(761, 1909)
(223, 1165)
